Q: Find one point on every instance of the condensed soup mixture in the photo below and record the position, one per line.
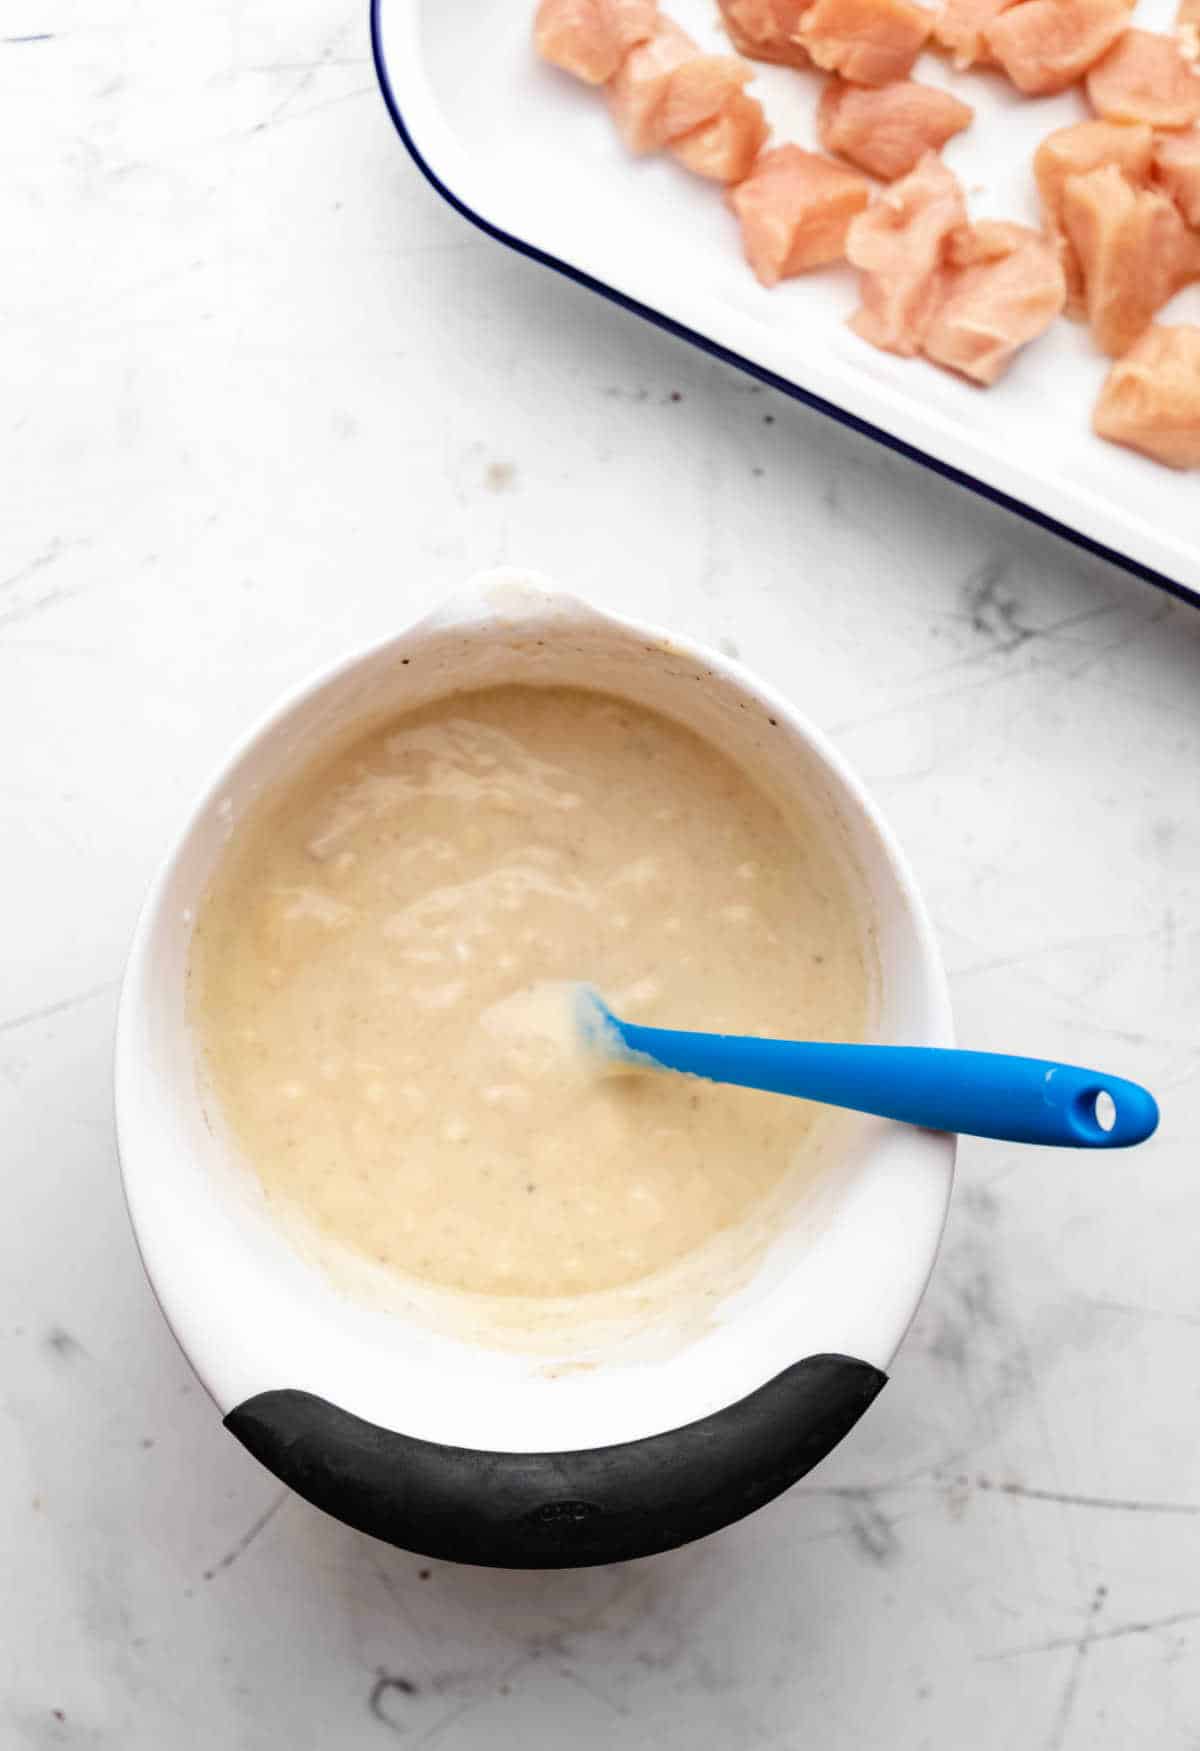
(376, 984)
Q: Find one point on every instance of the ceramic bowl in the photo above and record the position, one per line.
(604, 1432)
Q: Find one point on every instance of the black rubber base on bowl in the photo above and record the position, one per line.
(559, 1510)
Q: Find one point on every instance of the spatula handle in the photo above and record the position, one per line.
(984, 1094)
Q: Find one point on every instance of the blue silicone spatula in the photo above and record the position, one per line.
(983, 1094)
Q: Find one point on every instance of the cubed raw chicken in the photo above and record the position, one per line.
(887, 129)
(1004, 288)
(901, 244)
(794, 209)
(1046, 45)
(765, 30)
(870, 42)
(591, 38)
(1151, 398)
(960, 25)
(1177, 167)
(1145, 78)
(1187, 29)
(666, 87)
(1073, 151)
(1134, 249)
(725, 148)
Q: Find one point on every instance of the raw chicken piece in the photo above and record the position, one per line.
(1177, 165)
(666, 87)
(887, 129)
(725, 148)
(983, 240)
(765, 30)
(794, 209)
(1006, 289)
(902, 246)
(634, 20)
(1134, 248)
(871, 42)
(1074, 151)
(591, 38)
(1187, 29)
(1151, 398)
(1144, 78)
(1046, 45)
(960, 25)
(699, 91)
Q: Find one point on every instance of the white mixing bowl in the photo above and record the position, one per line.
(573, 1450)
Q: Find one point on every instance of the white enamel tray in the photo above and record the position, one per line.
(530, 155)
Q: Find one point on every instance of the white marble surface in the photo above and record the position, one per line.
(265, 397)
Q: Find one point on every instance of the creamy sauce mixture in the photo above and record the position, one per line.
(372, 987)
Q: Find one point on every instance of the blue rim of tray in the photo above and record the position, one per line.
(728, 357)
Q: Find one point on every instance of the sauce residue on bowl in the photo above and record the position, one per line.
(364, 979)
